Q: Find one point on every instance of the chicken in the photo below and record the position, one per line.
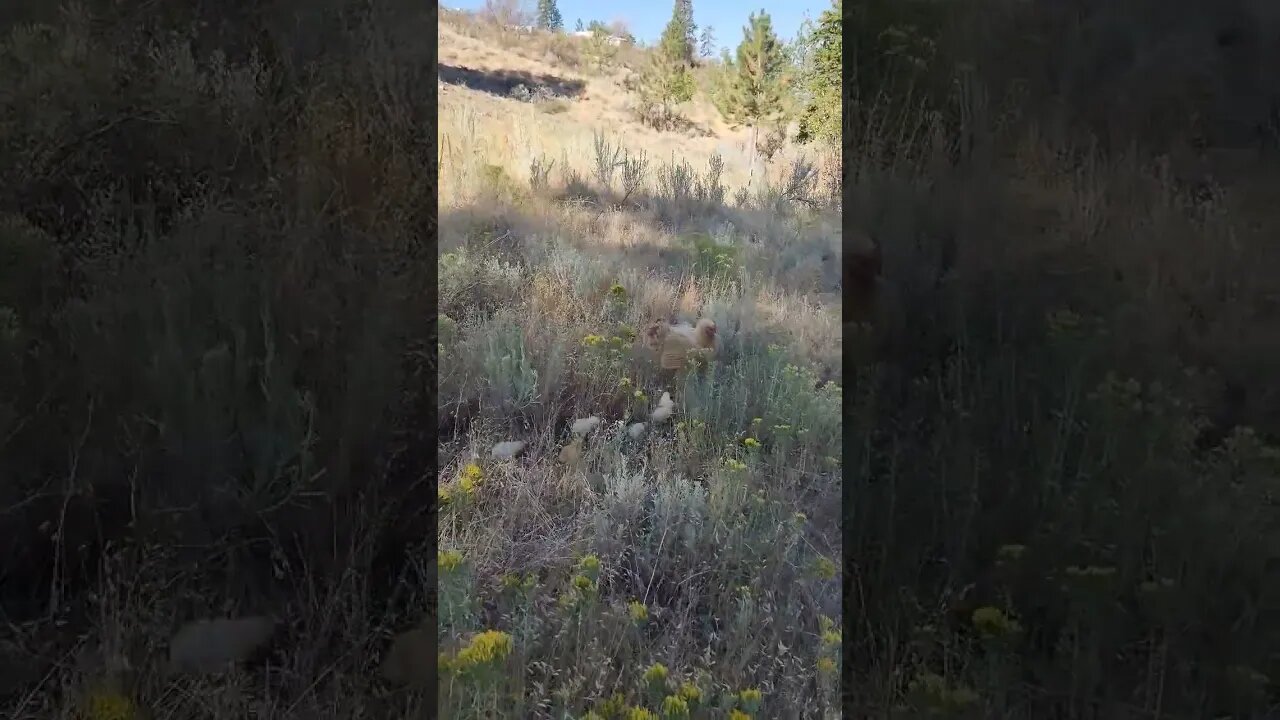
(571, 453)
(676, 343)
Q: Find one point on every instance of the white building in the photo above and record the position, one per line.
(613, 40)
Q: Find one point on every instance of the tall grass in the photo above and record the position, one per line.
(1054, 491)
(215, 370)
(688, 571)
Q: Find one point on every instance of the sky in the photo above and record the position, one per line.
(647, 19)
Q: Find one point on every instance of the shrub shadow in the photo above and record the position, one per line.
(504, 83)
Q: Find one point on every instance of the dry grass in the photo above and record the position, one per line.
(567, 126)
(1054, 507)
(705, 547)
(215, 396)
(215, 380)
(216, 393)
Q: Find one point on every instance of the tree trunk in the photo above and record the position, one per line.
(751, 154)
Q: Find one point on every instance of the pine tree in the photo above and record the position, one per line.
(667, 79)
(722, 85)
(682, 15)
(754, 95)
(599, 51)
(549, 15)
(707, 43)
(579, 26)
(820, 120)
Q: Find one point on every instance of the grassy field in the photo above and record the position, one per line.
(692, 569)
(235, 383)
(215, 371)
(1062, 502)
(216, 400)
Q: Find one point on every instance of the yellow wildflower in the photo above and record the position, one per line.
(614, 706)
(639, 713)
(690, 692)
(443, 496)
(448, 560)
(750, 699)
(618, 291)
(657, 673)
(825, 569)
(733, 464)
(831, 638)
(674, 706)
(751, 442)
(582, 583)
(590, 565)
(993, 622)
(512, 581)
(736, 714)
(637, 610)
(625, 382)
(826, 665)
(110, 705)
(485, 647)
(473, 472)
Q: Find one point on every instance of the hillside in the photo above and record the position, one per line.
(481, 65)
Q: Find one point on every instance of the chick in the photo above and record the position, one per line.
(664, 409)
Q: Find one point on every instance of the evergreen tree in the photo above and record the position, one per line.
(707, 43)
(667, 79)
(579, 26)
(549, 15)
(820, 119)
(722, 85)
(599, 51)
(754, 94)
(682, 15)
